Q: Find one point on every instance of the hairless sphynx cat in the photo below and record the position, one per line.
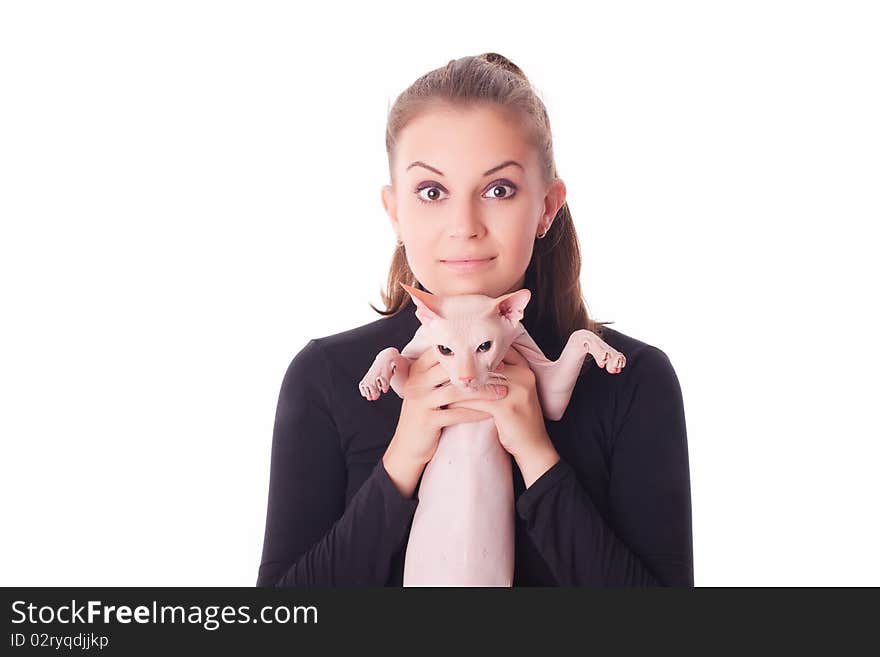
(462, 532)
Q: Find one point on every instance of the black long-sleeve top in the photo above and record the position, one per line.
(614, 511)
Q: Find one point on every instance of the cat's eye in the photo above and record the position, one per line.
(444, 350)
(486, 346)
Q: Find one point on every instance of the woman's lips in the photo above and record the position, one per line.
(467, 265)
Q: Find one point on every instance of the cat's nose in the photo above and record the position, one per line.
(466, 379)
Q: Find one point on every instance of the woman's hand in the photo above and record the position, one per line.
(518, 417)
(428, 407)
(427, 398)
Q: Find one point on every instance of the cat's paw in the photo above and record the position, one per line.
(612, 360)
(605, 355)
(377, 380)
(372, 387)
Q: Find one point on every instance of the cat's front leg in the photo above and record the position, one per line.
(605, 355)
(389, 369)
(583, 342)
(555, 380)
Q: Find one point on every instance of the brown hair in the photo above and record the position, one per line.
(553, 274)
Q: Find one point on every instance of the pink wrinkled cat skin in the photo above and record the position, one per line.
(463, 528)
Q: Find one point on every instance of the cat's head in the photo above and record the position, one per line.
(471, 332)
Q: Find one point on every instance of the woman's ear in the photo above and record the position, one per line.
(554, 200)
(389, 202)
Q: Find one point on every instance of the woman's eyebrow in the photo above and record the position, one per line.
(488, 173)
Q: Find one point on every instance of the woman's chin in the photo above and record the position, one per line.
(469, 283)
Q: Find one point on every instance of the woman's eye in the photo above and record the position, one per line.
(486, 346)
(506, 195)
(444, 350)
(433, 192)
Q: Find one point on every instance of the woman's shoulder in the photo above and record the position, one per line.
(647, 366)
(628, 345)
(366, 340)
(348, 353)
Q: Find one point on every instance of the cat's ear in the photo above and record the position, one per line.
(511, 306)
(427, 305)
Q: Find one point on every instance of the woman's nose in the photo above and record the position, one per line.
(466, 222)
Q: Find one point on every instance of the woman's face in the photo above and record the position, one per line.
(457, 196)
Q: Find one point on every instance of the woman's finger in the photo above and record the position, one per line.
(436, 375)
(476, 405)
(449, 394)
(428, 359)
(459, 415)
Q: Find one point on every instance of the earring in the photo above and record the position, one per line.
(544, 234)
(399, 244)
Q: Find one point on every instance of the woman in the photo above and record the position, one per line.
(603, 495)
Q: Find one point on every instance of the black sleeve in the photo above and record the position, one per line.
(649, 492)
(311, 539)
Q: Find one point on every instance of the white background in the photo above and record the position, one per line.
(189, 192)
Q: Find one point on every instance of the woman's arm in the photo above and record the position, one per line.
(651, 543)
(311, 538)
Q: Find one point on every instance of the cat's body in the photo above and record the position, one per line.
(463, 529)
